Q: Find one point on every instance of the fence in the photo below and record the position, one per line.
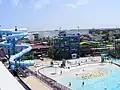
(23, 84)
(50, 82)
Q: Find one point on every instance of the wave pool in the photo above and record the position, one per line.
(109, 81)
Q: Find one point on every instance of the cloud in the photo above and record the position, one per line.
(38, 4)
(35, 4)
(81, 2)
(16, 2)
(71, 5)
(77, 4)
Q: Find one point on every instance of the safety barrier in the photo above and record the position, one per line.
(23, 84)
(116, 64)
(23, 72)
(48, 81)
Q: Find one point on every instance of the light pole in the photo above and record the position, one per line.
(15, 28)
(59, 28)
(78, 41)
(78, 29)
(116, 45)
(0, 34)
(14, 52)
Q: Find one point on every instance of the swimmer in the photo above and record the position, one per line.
(83, 83)
(69, 84)
(61, 72)
(105, 88)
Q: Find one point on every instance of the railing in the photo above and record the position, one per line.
(50, 82)
(116, 64)
(23, 84)
(23, 72)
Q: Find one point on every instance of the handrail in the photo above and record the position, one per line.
(116, 64)
(23, 72)
(50, 82)
(23, 84)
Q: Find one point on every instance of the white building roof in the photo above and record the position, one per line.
(7, 81)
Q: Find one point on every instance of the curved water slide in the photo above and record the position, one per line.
(11, 42)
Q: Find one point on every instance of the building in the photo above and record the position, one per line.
(105, 34)
(33, 36)
(53, 33)
(40, 51)
(66, 46)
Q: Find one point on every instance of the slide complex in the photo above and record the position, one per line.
(11, 42)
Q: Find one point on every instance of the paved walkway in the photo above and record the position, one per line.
(35, 84)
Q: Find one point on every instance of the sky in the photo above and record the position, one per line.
(52, 14)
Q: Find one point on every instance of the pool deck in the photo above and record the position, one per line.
(72, 72)
(48, 71)
(46, 62)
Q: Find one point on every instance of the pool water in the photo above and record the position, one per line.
(111, 81)
(116, 60)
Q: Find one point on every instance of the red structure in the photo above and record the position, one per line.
(40, 46)
(40, 50)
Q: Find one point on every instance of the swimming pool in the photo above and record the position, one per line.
(111, 81)
(116, 60)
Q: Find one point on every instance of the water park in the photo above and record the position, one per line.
(78, 73)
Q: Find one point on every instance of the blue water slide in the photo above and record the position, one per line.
(16, 35)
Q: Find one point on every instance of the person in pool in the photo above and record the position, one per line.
(69, 84)
(83, 83)
(105, 88)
